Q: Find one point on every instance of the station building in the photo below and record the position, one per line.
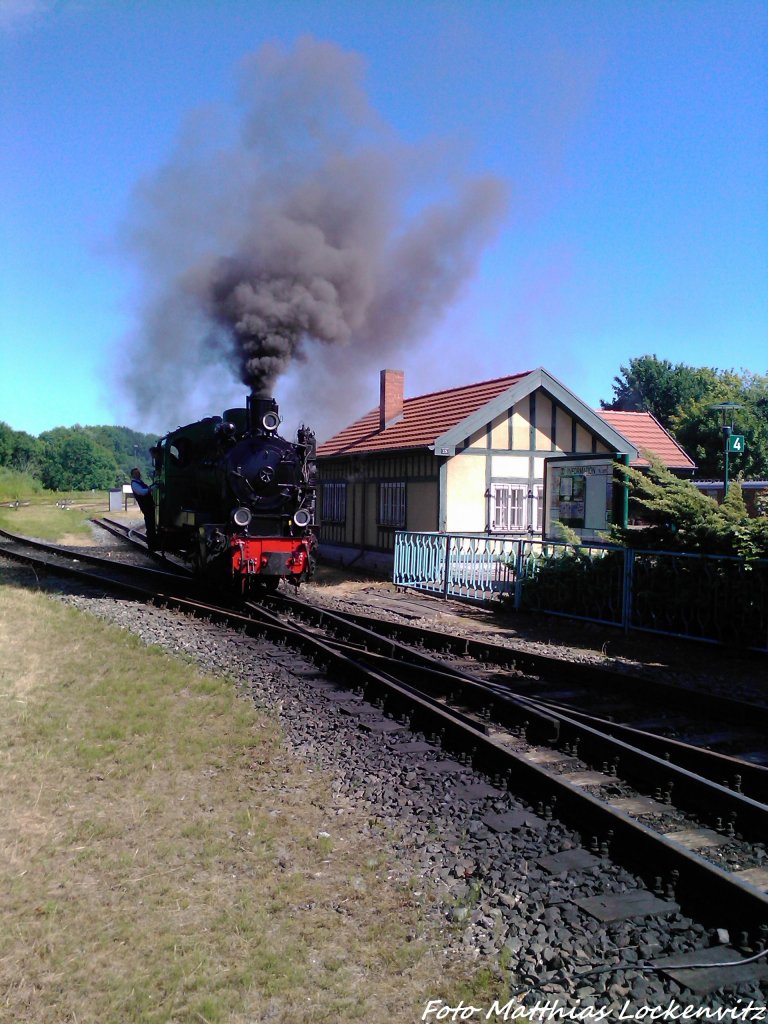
(477, 459)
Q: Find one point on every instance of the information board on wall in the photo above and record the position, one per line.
(578, 494)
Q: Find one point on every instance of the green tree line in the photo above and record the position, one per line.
(75, 458)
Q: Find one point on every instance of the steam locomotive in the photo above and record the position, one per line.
(235, 500)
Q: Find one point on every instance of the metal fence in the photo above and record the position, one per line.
(715, 598)
(470, 565)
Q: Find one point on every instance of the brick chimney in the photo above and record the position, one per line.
(390, 397)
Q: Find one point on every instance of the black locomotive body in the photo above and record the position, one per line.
(236, 500)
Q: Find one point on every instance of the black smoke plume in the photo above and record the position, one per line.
(306, 222)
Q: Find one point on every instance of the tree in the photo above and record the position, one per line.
(681, 398)
(6, 444)
(26, 453)
(698, 427)
(106, 459)
(18, 450)
(654, 385)
(72, 461)
(129, 447)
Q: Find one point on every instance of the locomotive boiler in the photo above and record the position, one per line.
(236, 500)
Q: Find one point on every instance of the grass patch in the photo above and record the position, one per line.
(45, 519)
(162, 858)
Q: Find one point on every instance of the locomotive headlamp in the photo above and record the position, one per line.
(241, 517)
(270, 421)
(301, 517)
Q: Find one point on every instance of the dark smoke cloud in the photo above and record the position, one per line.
(311, 223)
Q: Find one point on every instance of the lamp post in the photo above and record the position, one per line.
(726, 410)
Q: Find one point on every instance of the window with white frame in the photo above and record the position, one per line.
(515, 506)
(507, 507)
(335, 501)
(392, 504)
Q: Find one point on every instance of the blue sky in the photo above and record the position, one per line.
(631, 138)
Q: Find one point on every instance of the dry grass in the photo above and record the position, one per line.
(47, 521)
(162, 857)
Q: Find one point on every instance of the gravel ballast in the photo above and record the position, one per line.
(502, 904)
(474, 860)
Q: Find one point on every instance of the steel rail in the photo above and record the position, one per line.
(544, 667)
(709, 764)
(709, 893)
(636, 846)
(633, 844)
(596, 747)
(125, 532)
(109, 564)
(691, 787)
(137, 540)
(734, 771)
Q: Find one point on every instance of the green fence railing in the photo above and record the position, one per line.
(715, 598)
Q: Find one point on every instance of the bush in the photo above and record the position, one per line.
(679, 517)
(576, 581)
(15, 485)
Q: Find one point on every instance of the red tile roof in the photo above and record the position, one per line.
(424, 419)
(645, 432)
(427, 417)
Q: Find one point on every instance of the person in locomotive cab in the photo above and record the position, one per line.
(143, 494)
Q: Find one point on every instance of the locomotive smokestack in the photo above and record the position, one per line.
(263, 417)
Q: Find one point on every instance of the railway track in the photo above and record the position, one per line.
(109, 572)
(680, 717)
(594, 693)
(568, 752)
(503, 707)
(563, 766)
(682, 720)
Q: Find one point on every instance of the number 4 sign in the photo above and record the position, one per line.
(736, 443)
